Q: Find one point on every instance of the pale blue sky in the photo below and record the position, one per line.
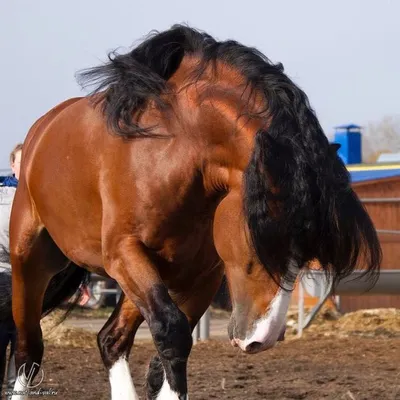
(345, 53)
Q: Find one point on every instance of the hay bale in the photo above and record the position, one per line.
(374, 322)
(323, 321)
(57, 334)
(384, 322)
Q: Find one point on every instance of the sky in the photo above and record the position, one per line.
(345, 54)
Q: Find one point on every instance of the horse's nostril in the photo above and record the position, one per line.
(254, 347)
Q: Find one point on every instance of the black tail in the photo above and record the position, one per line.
(298, 198)
(61, 288)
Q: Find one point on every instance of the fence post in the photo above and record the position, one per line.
(205, 325)
(202, 329)
(196, 334)
(300, 319)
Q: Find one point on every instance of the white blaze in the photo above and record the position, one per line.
(268, 328)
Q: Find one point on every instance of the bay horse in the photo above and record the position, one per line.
(190, 158)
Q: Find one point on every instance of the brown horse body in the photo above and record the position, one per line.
(162, 210)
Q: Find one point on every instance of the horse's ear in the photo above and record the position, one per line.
(335, 146)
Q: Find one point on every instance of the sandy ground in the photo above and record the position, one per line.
(312, 368)
(351, 357)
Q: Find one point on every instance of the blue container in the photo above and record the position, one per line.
(349, 138)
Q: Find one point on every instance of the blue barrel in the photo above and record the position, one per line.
(349, 138)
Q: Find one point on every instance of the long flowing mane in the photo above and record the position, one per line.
(293, 168)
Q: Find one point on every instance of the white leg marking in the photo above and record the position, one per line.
(166, 393)
(20, 387)
(268, 328)
(122, 387)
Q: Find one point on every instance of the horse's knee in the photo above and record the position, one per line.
(169, 327)
(173, 339)
(172, 335)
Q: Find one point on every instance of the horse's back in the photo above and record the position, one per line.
(40, 124)
(50, 140)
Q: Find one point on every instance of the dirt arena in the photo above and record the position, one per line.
(352, 358)
(320, 368)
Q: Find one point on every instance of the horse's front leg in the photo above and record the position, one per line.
(132, 267)
(193, 300)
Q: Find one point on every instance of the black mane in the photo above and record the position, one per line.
(128, 81)
(298, 201)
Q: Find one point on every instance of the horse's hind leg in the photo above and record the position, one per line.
(115, 341)
(35, 260)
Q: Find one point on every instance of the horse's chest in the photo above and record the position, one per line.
(186, 246)
(179, 241)
(182, 258)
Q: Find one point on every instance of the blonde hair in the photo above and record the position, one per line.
(16, 149)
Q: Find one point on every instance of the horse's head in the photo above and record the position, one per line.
(281, 212)
(260, 302)
(264, 238)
